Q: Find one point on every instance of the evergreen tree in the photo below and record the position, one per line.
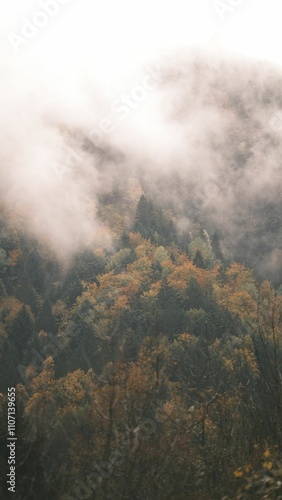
(45, 320)
(199, 260)
(21, 331)
(216, 247)
(171, 315)
(152, 223)
(86, 266)
(144, 218)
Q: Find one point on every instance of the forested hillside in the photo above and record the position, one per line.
(141, 250)
(148, 370)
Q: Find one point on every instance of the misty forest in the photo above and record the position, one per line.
(141, 293)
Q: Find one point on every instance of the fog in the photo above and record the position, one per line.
(198, 126)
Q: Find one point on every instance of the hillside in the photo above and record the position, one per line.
(148, 370)
(141, 283)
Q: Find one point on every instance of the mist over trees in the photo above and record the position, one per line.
(152, 370)
(205, 145)
(141, 293)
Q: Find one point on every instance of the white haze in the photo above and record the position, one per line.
(179, 140)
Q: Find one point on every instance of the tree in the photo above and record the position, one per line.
(45, 320)
(198, 260)
(144, 218)
(216, 247)
(21, 331)
(153, 224)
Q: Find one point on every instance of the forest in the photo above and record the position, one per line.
(141, 250)
(150, 370)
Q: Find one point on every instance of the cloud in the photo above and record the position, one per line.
(196, 126)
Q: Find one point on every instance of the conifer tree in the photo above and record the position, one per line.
(199, 260)
(21, 331)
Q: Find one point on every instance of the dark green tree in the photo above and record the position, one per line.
(45, 319)
(199, 260)
(153, 224)
(216, 247)
(144, 218)
(21, 331)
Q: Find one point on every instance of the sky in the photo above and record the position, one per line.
(98, 68)
(117, 36)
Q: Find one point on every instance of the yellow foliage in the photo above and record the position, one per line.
(239, 302)
(267, 465)
(239, 278)
(180, 276)
(154, 290)
(121, 304)
(187, 337)
(229, 364)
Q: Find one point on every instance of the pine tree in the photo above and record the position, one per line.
(45, 320)
(216, 247)
(144, 218)
(21, 331)
(198, 260)
(152, 223)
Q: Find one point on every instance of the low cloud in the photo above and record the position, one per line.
(200, 133)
